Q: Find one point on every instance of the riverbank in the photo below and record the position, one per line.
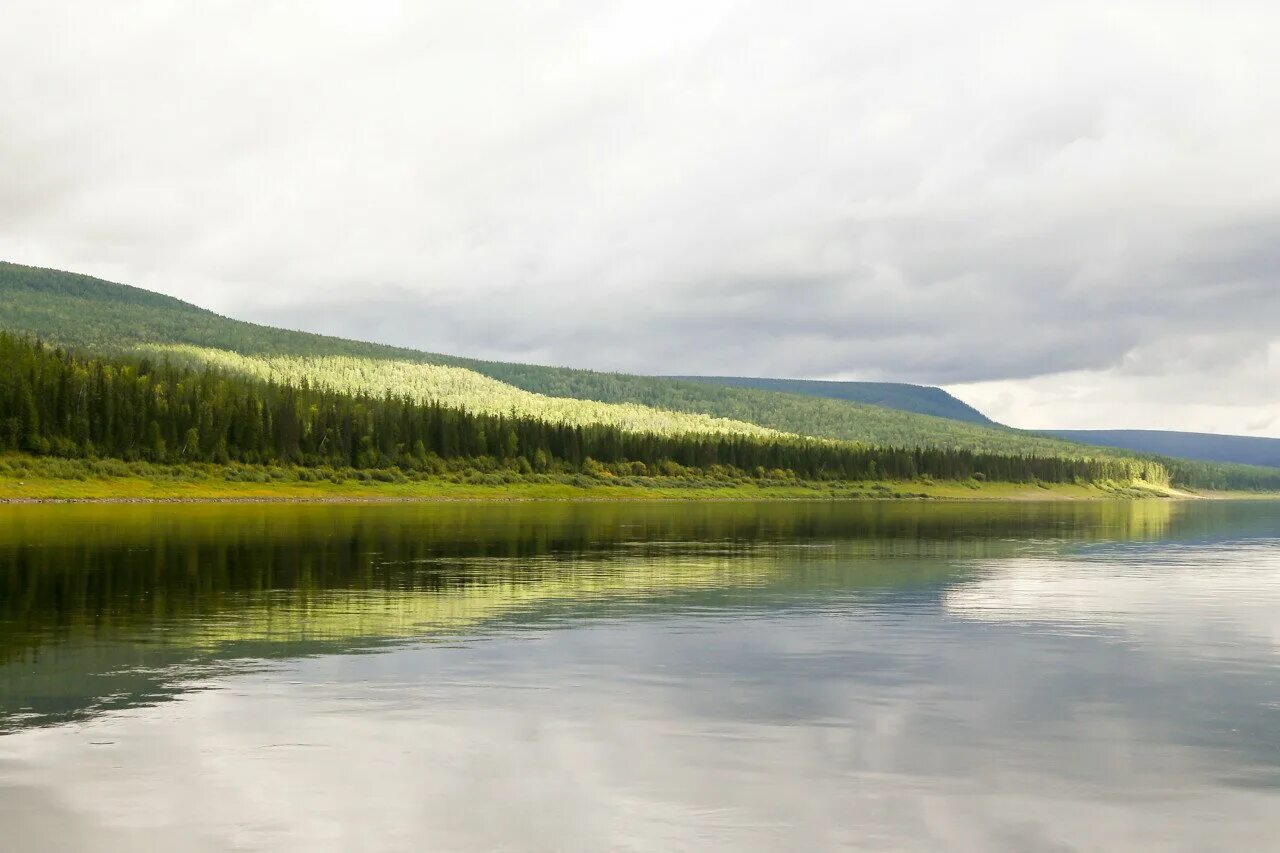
(30, 479)
(142, 490)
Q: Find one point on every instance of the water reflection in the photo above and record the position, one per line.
(109, 606)
(736, 677)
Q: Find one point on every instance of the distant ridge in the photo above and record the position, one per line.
(1205, 446)
(922, 399)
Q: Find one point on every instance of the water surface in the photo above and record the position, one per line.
(746, 677)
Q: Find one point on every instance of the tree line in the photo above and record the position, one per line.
(59, 402)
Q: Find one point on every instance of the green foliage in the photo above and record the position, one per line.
(1210, 447)
(921, 399)
(1221, 475)
(76, 310)
(455, 387)
(69, 309)
(801, 414)
(53, 402)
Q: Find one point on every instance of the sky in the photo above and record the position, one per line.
(1068, 214)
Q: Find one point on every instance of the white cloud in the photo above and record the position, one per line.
(988, 194)
(1203, 387)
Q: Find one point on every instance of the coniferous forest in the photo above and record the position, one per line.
(96, 316)
(61, 403)
(154, 381)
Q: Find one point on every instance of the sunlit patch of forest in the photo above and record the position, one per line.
(454, 387)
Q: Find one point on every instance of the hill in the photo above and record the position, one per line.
(922, 399)
(63, 403)
(1209, 447)
(77, 310)
(95, 316)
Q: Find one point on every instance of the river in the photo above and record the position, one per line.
(591, 677)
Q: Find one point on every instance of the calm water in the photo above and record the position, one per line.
(586, 678)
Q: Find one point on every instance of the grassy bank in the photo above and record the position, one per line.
(30, 478)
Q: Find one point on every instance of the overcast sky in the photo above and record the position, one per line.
(1066, 213)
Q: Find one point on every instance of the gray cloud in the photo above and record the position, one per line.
(920, 192)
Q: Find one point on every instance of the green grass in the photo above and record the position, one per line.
(25, 477)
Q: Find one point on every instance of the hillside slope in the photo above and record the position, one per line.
(97, 316)
(921, 399)
(453, 387)
(72, 405)
(77, 310)
(1209, 447)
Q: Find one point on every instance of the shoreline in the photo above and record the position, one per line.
(527, 493)
(27, 479)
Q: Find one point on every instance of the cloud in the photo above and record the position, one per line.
(1200, 384)
(923, 192)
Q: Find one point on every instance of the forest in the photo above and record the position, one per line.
(135, 326)
(80, 311)
(453, 387)
(58, 402)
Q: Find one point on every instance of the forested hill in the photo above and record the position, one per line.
(922, 399)
(80, 310)
(59, 403)
(118, 321)
(1211, 447)
(77, 310)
